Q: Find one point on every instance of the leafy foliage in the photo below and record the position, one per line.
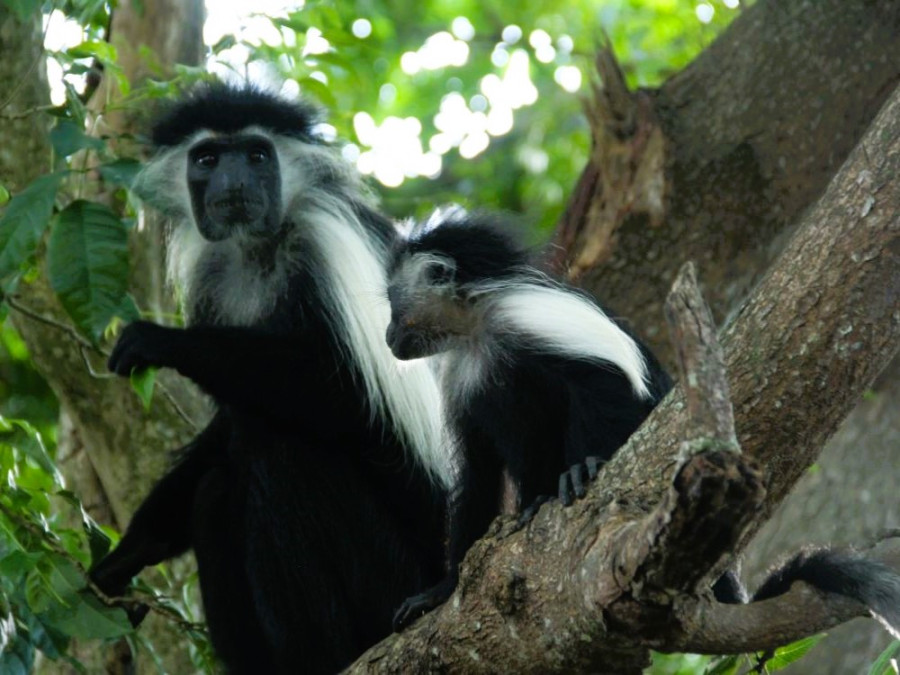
(43, 587)
(87, 263)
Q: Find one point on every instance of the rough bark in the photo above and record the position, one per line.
(592, 586)
(718, 162)
(715, 167)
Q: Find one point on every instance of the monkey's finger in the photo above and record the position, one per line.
(530, 512)
(565, 489)
(593, 465)
(576, 472)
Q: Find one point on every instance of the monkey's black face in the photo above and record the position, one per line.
(235, 186)
(425, 323)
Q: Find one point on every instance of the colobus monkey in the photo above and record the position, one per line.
(314, 501)
(537, 379)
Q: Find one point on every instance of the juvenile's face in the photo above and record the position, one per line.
(428, 314)
(235, 185)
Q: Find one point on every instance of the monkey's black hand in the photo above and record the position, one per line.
(135, 610)
(419, 605)
(142, 344)
(572, 482)
(528, 513)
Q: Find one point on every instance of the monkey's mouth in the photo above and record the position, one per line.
(238, 211)
(407, 346)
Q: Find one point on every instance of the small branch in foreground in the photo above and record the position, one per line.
(762, 625)
(85, 345)
(701, 364)
(150, 602)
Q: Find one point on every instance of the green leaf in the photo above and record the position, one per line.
(68, 137)
(726, 665)
(4, 196)
(784, 656)
(90, 619)
(87, 263)
(121, 171)
(29, 442)
(98, 49)
(66, 579)
(319, 90)
(882, 665)
(23, 10)
(17, 658)
(25, 220)
(98, 540)
(19, 563)
(227, 42)
(142, 382)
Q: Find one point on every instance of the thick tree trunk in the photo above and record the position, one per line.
(111, 450)
(715, 167)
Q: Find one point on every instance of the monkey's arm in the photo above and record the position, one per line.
(161, 527)
(475, 504)
(240, 366)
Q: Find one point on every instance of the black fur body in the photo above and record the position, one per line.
(310, 511)
(542, 409)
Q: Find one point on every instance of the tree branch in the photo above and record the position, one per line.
(593, 586)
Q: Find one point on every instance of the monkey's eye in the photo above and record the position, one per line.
(258, 156)
(439, 274)
(206, 159)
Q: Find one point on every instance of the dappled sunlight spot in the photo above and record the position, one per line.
(351, 152)
(395, 150)
(251, 22)
(499, 121)
(438, 51)
(545, 54)
(539, 38)
(441, 50)
(500, 56)
(511, 34)
(327, 132)
(440, 143)
(534, 159)
(705, 12)
(361, 28)
(411, 63)
(387, 93)
(568, 77)
(515, 89)
(478, 103)
(61, 34)
(474, 144)
(315, 43)
(462, 28)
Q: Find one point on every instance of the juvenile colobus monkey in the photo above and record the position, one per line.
(537, 379)
(314, 501)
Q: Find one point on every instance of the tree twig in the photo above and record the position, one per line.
(701, 365)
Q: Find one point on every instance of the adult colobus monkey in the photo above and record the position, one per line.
(537, 379)
(314, 500)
